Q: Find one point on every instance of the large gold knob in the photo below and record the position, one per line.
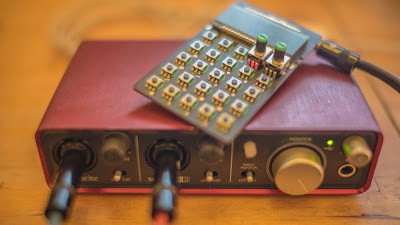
(357, 151)
(297, 170)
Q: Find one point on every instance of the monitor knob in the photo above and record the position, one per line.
(297, 170)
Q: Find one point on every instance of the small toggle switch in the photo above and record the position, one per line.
(249, 176)
(209, 176)
(117, 176)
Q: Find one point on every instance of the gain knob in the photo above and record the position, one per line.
(115, 148)
(297, 170)
(357, 151)
(211, 152)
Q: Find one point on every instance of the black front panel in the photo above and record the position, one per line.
(229, 165)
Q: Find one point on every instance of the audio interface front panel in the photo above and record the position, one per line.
(117, 140)
(123, 159)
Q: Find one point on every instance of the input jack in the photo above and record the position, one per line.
(347, 170)
(171, 145)
(76, 144)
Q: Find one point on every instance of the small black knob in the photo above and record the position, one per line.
(115, 148)
(211, 152)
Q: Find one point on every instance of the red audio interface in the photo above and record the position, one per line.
(316, 135)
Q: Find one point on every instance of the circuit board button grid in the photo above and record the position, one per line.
(224, 79)
(218, 80)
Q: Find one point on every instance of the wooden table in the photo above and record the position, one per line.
(31, 67)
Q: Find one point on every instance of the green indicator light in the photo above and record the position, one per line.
(329, 143)
(280, 46)
(347, 149)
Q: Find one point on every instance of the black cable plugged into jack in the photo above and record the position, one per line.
(348, 60)
(165, 187)
(73, 162)
(75, 157)
(69, 176)
(167, 160)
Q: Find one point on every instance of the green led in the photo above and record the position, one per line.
(329, 143)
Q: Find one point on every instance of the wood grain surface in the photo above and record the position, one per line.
(37, 39)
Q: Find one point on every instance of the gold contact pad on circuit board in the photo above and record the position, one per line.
(185, 80)
(251, 94)
(216, 76)
(153, 84)
(199, 66)
(168, 71)
(206, 112)
(238, 108)
(224, 122)
(187, 103)
(170, 93)
(233, 85)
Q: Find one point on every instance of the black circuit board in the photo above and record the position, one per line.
(216, 82)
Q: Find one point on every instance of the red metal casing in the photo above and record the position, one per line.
(96, 94)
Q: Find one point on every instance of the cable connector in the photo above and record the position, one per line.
(69, 177)
(337, 55)
(347, 60)
(165, 186)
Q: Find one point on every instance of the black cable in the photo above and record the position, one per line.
(348, 60)
(69, 177)
(165, 186)
(379, 73)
